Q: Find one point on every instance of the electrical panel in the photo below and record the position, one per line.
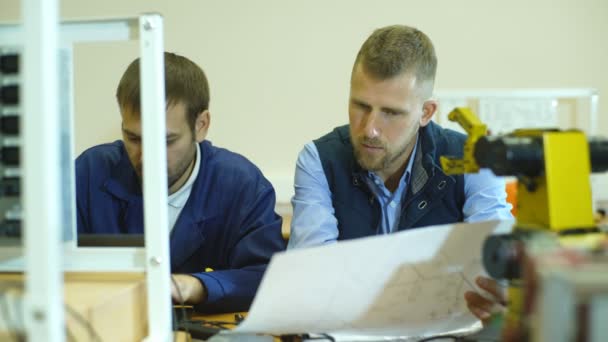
(10, 146)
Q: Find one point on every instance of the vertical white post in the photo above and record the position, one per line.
(153, 116)
(44, 312)
(593, 120)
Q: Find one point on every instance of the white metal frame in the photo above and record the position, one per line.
(44, 313)
(79, 259)
(590, 94)
(42, 205)
(156, 217)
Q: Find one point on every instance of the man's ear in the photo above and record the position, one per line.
(201, 125)
(428, 110)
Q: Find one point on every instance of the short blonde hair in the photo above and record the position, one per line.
(393, 50)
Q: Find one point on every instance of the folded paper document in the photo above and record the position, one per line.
(408, 284)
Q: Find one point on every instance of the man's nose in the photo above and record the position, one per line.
(138, 154)
(371, 124)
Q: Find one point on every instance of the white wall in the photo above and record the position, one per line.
(279, 70)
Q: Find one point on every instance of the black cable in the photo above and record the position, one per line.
(174, 318)
(84, 322)
(329, 337)
(182, 303)
(290, 338)
(432, 338)
(216, 324)
(238, 318)
(322, 336)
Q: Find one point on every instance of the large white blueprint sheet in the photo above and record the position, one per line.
(406, 284)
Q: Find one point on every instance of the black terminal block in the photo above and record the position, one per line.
(10, 187)
(9, 94)
(9, 124)
(11, 228)
(9, 155)
(9, 64)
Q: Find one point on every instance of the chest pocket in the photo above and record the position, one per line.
(437, 203)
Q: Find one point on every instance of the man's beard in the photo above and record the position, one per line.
(171, 179)
(383, 163)
(176, 176)
(364, 159)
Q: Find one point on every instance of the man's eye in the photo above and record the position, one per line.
(363, 106)
(134, 140)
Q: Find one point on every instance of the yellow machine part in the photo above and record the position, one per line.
(562, 198)
(475, 129)
(515, 312)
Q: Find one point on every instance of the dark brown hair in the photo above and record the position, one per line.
(184, 82)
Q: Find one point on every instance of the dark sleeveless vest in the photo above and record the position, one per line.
(432, 196)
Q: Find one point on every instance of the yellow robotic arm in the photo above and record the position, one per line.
(475, 129)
